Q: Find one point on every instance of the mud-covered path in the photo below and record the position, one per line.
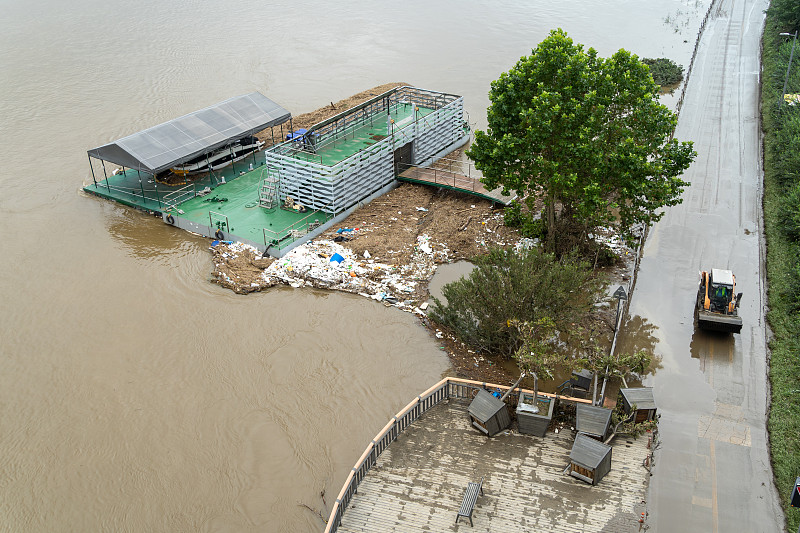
(713, 471)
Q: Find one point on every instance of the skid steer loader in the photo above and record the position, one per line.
(717, 309)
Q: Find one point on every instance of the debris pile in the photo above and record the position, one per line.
(239, 266)
(328, 265)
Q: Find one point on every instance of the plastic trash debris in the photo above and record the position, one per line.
(344, 230)
(422, 209)
(336, 258)
(423, 305)
(366, 254)
(424, 245)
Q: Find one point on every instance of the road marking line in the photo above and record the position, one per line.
(714, 515)
(711, 366)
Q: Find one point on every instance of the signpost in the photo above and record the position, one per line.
(794, 499)
(620, 295)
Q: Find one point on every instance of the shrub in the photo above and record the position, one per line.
(512, 215)
(665, 71)
(527, 286)
(529, 226)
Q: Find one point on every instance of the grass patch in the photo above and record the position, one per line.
(781, 180)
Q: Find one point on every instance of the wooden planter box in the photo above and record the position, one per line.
(532, 423)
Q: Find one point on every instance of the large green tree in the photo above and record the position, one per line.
(585, 134)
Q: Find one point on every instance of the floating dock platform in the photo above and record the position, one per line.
(328, 169)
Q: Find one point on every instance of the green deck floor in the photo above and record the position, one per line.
(241, 211)
(349, 144)
(141, 191)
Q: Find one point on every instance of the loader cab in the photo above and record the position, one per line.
(721, 287)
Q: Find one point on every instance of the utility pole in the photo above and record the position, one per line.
(789, 67)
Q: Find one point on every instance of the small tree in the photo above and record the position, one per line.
(664, 70)
(607, 365)
(587, 135)
(540, 353)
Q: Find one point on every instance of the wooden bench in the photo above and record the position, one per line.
(468, 503)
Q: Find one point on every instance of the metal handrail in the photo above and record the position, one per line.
(171, 199)
(220, 216)
(133, 192)
(690, 68)
(448, 177)
(281, 234)
(443, 390)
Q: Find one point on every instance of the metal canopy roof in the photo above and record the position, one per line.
(184, 138)
(722, 277)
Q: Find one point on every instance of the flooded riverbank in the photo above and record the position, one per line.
(138, 396)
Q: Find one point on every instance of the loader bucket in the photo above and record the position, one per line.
(719, 322)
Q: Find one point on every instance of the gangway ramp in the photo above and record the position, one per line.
(443, 175)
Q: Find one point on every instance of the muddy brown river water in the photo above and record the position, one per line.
(134, 394)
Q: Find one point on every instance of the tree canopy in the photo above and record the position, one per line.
(585, 134)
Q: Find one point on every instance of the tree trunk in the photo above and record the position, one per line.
(551, 223)
(535, 393)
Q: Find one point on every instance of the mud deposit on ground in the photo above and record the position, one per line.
(401, 235)
(388, 250)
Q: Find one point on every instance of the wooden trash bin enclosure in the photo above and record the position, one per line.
(589, 460)
(489, 414)
(642, 398)
(593, 421)
(531, 421)
(582, 379)
(578, 385)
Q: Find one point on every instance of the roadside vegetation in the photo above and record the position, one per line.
(781, 123)
(665, 71)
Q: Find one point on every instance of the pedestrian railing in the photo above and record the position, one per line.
(679, 105)
(178, 196)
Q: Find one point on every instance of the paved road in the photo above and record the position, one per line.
(713, 471)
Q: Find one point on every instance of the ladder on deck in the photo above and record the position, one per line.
(268, 192)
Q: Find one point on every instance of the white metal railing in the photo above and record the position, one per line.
(132, 192)
(173, 198)
(296, 230)
(223, 222)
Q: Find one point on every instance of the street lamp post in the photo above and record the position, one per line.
(789, 67)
